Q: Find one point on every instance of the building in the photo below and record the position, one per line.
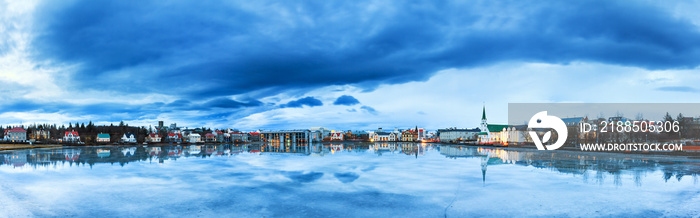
(490, 133)
(39, 134)
(323, 132)
(174, 137)
(220, 137)
(71, 137)
(194, 138)
(129, 138)
(409, 135)
(384, 137)
(239, 137)
(103, 138)
(154, 138)
(454, 135)
(254, 136)
(356, 135)
(17, 134)
(289, 136)
(210, 137)
(337, 136)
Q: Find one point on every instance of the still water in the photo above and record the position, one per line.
(343, 179)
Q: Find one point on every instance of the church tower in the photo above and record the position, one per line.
(484, 126)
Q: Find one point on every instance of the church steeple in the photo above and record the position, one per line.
(484, 124)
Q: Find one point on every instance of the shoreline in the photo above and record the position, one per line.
(693, 153)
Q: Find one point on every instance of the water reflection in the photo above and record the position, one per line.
(590, 167)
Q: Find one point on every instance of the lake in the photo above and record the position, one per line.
(342, 179)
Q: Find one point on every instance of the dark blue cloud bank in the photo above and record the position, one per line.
(205, 52)
(209, 49)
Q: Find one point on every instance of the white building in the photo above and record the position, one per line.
(457, 135)
(17, 134)
(129, 138)
(195, 138)
(71, 137)
(383, 137)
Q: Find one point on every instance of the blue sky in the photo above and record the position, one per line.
(337, 64)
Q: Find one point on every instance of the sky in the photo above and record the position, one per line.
(337, 64)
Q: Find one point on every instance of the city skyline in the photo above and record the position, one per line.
(340, 65)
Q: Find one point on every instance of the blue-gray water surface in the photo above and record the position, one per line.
(342, 179)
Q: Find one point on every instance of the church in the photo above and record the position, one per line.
(501, 135)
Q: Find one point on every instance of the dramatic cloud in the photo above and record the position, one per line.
(248, 62)
(235, 48)
(308, 101)
(346, 100)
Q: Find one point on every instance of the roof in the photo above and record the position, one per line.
(154, 135)
(382, 133)
(219, 132)
(129, 135)
(572, 121)
(75, 133)
(459, 130)
(496, 127)
(209, 134)
(483, 115)
(17, 129)
(254, 133)
(174, 134)
(103, 135)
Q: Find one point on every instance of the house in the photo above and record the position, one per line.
(357, 135)
(452, 135)
(220, 136)
(103, 138)
(239, 137)
(254, 136)
(210, 137)
(129, 138)
(71, 137)
(383, 137)
(153, 138)
(174, 137)
(17, 134)
(337, 136)
(194, 138)
(409, 135)
(39, 134)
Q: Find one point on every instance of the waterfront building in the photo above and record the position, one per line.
(17, 134)
(194, 137)
(490, 133)
(174, 137)
(154, 138)
(290, 136)
(409, 135)
(384, 137)
(323, 133)
(39, 134)
(220, 137)
(103, 138)
(239, 137)
(209, 137)
(254, 136)
(129, 138)
(71, 137)
(337, 136)
(356, 135)
(453, 135)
